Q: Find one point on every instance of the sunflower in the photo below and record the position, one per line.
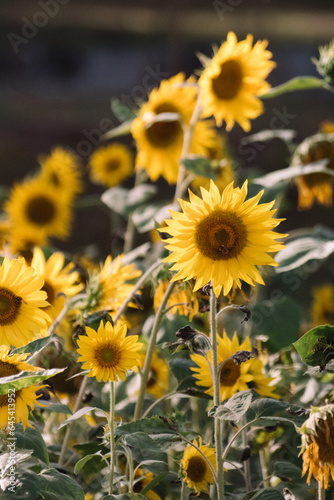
(110, 165)
(182, 301)
(316, 186)
(197, 473)
(108, 353)
(222, 238)
(57, 279)
(233, 79)
(21, 303)
(23, 240)
(157, 383)
(21, 400)
(323, 305)
(38, 206)
(141, 481)
(318, 444)
(233, 377)
(158, 130)
(61, 170)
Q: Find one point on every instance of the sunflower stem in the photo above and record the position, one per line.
(321, 491)
(216, 396)
(150, 351)
(264, 467)
(158, 401)
(248, 480)
(130, 230)
(183, 491)
(70, 425)
(111, 429)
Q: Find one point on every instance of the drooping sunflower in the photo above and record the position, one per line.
(183, 300)
(22, 303)
(233, 377)
(108, 353)
(157, 383)
(24, 398)
(222, 238)
(318, 444)
(158, 130)
(36, 205)
(110, 165)
(233, 80)
(61, 170)
(197, 473)
(57, 277)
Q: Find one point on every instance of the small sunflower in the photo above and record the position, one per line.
(183, 300)
(233, 377)
(196, 471)
(38, 206)
(159, 141)
(318, 444)
(141, 481)
(24, 398)
(323, 305)
(108, 353)
(110, 165)
(21, 303)
(157, 383)
(61, 170)
(222, 238)
(233, 79)
(317, 186)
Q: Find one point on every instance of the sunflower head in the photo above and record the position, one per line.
(195, 469)
(325, 63)
(110, 165)
(222, 238)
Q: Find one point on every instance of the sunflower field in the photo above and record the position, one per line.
(195, 360)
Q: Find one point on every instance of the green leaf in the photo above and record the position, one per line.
(199, 165)
(33, 348)
(268, 494)
(58, 486)
(82, 462)
(122, 129)
(32, 439)
(124, 201)
(78, 414)
(316, 347)
(26, 379)
(153, 425)
(298, 83)
(144, 217)
(155, 481)
(122, 112)
(287, 470)
(269, 409)
(7, 460)
(234, 408)
(145, 448)
(59, 408)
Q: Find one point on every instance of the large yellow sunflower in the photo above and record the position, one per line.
(37, 205)
(197, 473)
(110, 165)
(57, 279)
(233, 79)
(14, 406)
(108, 353)
(318, 444)
(22, 301)
(61, 170)
(222, 238)
(233, 377)
(159, 138)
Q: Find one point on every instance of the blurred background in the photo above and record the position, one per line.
(63, 60)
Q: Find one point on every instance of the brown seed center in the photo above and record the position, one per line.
(107, 356)
(229, 374)
(10, 305)
(227, 84)
(196, 469)
(163, 134)
(40, 210)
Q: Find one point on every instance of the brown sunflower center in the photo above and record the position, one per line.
(8, 369)
(227, 84)
(112, 165)
(221, 235)
(162, 134)
(40, 210)
(10, 305)
(196, 469)
(318, 151)
(49, 291)
(107, 356)
(229, 374)
(325, 439)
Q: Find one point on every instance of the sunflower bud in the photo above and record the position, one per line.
(325, 63)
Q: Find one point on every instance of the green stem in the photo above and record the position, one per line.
(112, 436)
(158, 401)
(264, 468)
(216, 397)
(130, 468)
(130, 230)
(321, 492)
(70, 425)
(238, 434)
(183, 491)
(246, 462)
(150, 351)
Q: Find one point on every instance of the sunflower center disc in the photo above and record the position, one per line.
(229, 374)
(163, 134)
(40, 210)
(325, 440)
(9, 306)
(196, 469)
(227, 84)
(107, 356)
(112, 165)
(7, 369)
(221, 235)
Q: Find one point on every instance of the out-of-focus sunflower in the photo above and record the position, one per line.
(110, 165)
(158, 130)
(318, 185)
(23, 399)
(233, 80)
(233, 377)
(108, 353)
(222, 238)
(182, 300)
(141, 481)
(157, 383)
(318, 444)
(327, 127)
(36, 205)
(323, 305)
(61, 170)
(197, 473)
(22, 303)
(23, 240)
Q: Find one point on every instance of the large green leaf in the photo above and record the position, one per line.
(199, 165)
(287, 470)
(145, 448)
(26, 379)
(316, 347)
(268, 494)
(153, 425)
(78, 414)
(234, 409)
(32, 439)
(53, 485)
(33, 348)
(298, 83)
(272, 410)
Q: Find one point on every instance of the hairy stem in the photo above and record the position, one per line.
(111, 429)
